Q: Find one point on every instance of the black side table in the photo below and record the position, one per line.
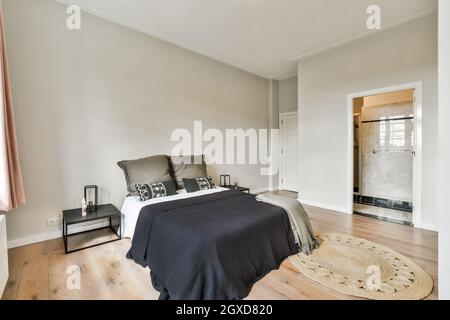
(107, 211)
(242, 189)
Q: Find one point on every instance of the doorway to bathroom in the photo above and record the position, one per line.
(385, 142)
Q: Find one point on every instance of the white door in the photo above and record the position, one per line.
(289, 136)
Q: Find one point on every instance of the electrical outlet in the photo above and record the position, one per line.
(54, 222)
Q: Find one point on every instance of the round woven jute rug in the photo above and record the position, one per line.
(364, 269)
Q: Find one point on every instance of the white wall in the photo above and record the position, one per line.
(86, 99)
(288, 95)
(444, 149)
(405, 54)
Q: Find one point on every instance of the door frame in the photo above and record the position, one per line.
(417, 161)
(281, 119)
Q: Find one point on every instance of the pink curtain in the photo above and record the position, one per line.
(11, 184)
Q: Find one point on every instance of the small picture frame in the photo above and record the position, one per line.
(91, 196)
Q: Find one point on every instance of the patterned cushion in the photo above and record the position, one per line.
(197, 184)
(156, 190)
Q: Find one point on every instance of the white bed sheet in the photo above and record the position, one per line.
(132, 206)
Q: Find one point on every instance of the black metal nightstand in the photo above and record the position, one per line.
(242, 189)
(107, 211)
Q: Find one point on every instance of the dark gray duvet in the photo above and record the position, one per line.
(211, 247)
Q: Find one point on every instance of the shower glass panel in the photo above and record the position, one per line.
(387, 152)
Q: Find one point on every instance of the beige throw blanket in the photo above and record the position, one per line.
(301, 226)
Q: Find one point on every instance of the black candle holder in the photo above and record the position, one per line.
(91, 203)
(225, 180)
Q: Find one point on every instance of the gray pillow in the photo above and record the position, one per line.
(187, 167)
(145, 171)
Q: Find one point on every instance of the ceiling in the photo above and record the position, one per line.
(264, 37)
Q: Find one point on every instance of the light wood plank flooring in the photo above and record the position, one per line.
(38, 271)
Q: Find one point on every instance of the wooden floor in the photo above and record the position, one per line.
(39, 271)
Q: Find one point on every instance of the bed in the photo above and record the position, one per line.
(213, 245)
(207, 244)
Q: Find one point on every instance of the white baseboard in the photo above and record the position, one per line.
(54, 234)
(425, 226)
(323, 206)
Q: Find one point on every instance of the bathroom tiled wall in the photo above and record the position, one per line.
(386, 152)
